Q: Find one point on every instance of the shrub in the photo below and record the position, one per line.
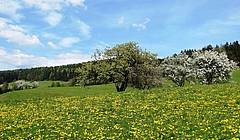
(5, 87)
(72, 82)
(35, 84)
(53, 84)
(1, 92)
(21, 85)
(58, 84)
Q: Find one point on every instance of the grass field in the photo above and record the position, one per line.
(98, 112)
(236, 76)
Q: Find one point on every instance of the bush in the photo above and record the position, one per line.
(4, 87)
(53, 84)
(21, 85)
(1, 92)
(57, 84)
(72, 82)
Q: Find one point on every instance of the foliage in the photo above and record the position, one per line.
(18, 85)
(178, 68)
(72, 82)
(233, 51)
(127, 63)
(193, 112)
(21, 85)
(212, 67)
(4, 88)
(93, 73)
(62, 73)
(204, 66)
(58, 84)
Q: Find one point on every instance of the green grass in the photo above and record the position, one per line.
(98, 112)
(44, 92)
(236, 76)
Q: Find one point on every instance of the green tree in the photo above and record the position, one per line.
(4, 87)
(127, 63)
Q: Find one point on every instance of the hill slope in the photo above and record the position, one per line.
(190, 112)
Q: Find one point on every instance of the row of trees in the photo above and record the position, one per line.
(62, 73)
(126, 64)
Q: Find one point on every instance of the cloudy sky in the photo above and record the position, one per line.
(55, 32)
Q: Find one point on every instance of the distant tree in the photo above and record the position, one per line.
(72, 82)
(5, 87)
(208, 48)
(233, 51)
(188, 52)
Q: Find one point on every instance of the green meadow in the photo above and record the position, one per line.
(99, 112)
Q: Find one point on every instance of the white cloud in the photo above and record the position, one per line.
(10, 8)
(84, 28)
(45, 5)
(2, 52)
(141, 26)
(16, 34)
(53, 18)
(69, 58)
(76, 2)
(65, 42)
(19, 59)
(121, 20)
(52, 45)
(52, 8)
(68, 41)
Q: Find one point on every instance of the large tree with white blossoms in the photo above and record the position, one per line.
(204, 67)
(211, 67)
(177, 68)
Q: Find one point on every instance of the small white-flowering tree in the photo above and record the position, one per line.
(211, 67)
(21, 85)
(178, 68)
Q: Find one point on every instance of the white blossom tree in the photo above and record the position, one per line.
(177, 68)
(206, 67)
(211, 67)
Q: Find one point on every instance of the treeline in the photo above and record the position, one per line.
(128, 65)
(67, 72)
(61, 73)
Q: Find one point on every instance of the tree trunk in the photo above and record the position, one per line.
(122, 86)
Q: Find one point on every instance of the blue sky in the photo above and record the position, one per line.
(56, 32)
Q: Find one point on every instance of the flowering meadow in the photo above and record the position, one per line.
(191, 112)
